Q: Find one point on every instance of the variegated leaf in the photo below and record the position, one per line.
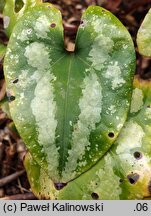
(123, 173)
(41, 184)
(144, 36)
(69, 107)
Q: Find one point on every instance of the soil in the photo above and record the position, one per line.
(13, 180)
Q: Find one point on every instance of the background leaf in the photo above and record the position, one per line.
(42, 186)
(144, 36)
(2, 51)
(4, 105)
(2, 3)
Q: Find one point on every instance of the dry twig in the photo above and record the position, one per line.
(10, 178)
(25, 196)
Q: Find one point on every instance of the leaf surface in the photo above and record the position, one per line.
(69, 107)
(123, 173)
(2, 51)
(14, 10)
(144, 36)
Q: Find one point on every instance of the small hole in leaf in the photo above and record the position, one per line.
(18, 5)
(53, 25)
(10, 97)
(138, 155)
(121, 180)
(81, 22)
(94, 196)
(59, 186)
(49, 6)
(111, 134)
(103, 11)
(29, 31)
(133, 178)
(15, 81)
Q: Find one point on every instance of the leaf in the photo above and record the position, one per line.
(2, 51)
(4, 105)
(41, 184)
(124, 172)
(144, 36)
(2, 2)
(69, 107)
(10, 16)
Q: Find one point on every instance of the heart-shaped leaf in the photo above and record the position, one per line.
(123, 173)
(144, 36)
(69, 107)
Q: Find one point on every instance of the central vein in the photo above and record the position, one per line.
(65, 120)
